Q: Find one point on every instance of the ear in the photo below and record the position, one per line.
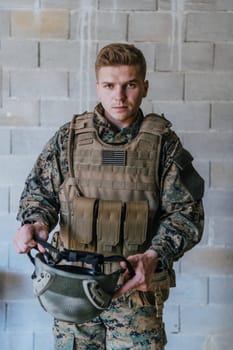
(146, 87)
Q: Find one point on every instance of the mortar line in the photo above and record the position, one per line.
(38, 54)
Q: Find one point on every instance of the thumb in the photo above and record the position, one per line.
(41, 231)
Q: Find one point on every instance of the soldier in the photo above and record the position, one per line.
(132, 182)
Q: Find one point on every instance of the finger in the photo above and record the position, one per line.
(127, 287)
(41, 248)
(23, 248)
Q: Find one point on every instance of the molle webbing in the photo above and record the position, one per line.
(84, 210)
(110, 168)
(135, 228)
(108, 224)
(101, 225)
(116, 188)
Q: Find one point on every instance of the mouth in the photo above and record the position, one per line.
(120, 108)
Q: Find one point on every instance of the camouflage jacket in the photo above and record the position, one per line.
(181, 215)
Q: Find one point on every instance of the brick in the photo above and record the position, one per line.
(3, 261)
(4, 24)
(4, 84)
(111, 26)
(16, 286)
(221, 231)
(167, 57)
(209, 146)
(15, 193)
(219, 202)
(222, 116)
(43, 340)
(209, 5)
(205, 236)
(187, 56)
(19, 263)
(203, 320)
(16, 340)
(210, 26)
(156, 26)
(220, 290)
(182, 294)
(208, 261)
(148, 50)
(10, 4)
(30, 141)
(5, 141)
(40, 24)
(209, 86)
(146, 107)
(221, 340)
(67, 4)
(15, 112)
(203, 168)
(222, 174)
(180, 341)
(70, 55)
(197, 56)
(19, 53)
(81, 88)
(10, 174)
(39, 83)
(171, 318)
(223, 56)
(165, 86)
(8, 228)
(17, 316)
(185, 115)
(127, 5)
(91, 25)
(164, 4)
(57, 112)
(2, 315)
(4, 195)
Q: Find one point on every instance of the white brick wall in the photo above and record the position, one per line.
(47, 52)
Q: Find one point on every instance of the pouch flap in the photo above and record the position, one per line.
(84, 216)
(136, 220)
(109, 223)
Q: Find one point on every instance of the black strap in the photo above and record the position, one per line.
(91, 258)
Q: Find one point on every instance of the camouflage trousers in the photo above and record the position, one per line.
(129, 323)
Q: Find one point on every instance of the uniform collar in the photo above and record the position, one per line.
(109, 134)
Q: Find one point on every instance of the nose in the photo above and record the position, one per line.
(120, 94)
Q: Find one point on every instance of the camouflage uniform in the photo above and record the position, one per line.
(132, 321)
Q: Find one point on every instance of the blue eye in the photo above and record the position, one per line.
(132, 85)
(108, 86)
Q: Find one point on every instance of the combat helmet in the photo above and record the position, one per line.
(74, 293)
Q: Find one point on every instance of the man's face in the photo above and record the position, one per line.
(121, 90)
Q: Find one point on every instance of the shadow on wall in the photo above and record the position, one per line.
(222, 340)
(15, 286)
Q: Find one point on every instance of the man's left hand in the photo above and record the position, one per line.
(144, 266)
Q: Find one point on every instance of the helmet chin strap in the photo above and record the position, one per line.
(95, 259)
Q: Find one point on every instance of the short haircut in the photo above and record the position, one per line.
(117, 54)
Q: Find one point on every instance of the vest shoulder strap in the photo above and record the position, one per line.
(80, 123)
(155, 124)
(152, 123)
(83, 123)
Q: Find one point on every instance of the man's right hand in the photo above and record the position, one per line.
(23, 239)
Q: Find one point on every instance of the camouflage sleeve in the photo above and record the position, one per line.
(181, 218)
(39, 200)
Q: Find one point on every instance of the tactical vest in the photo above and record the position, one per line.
(110, 196)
